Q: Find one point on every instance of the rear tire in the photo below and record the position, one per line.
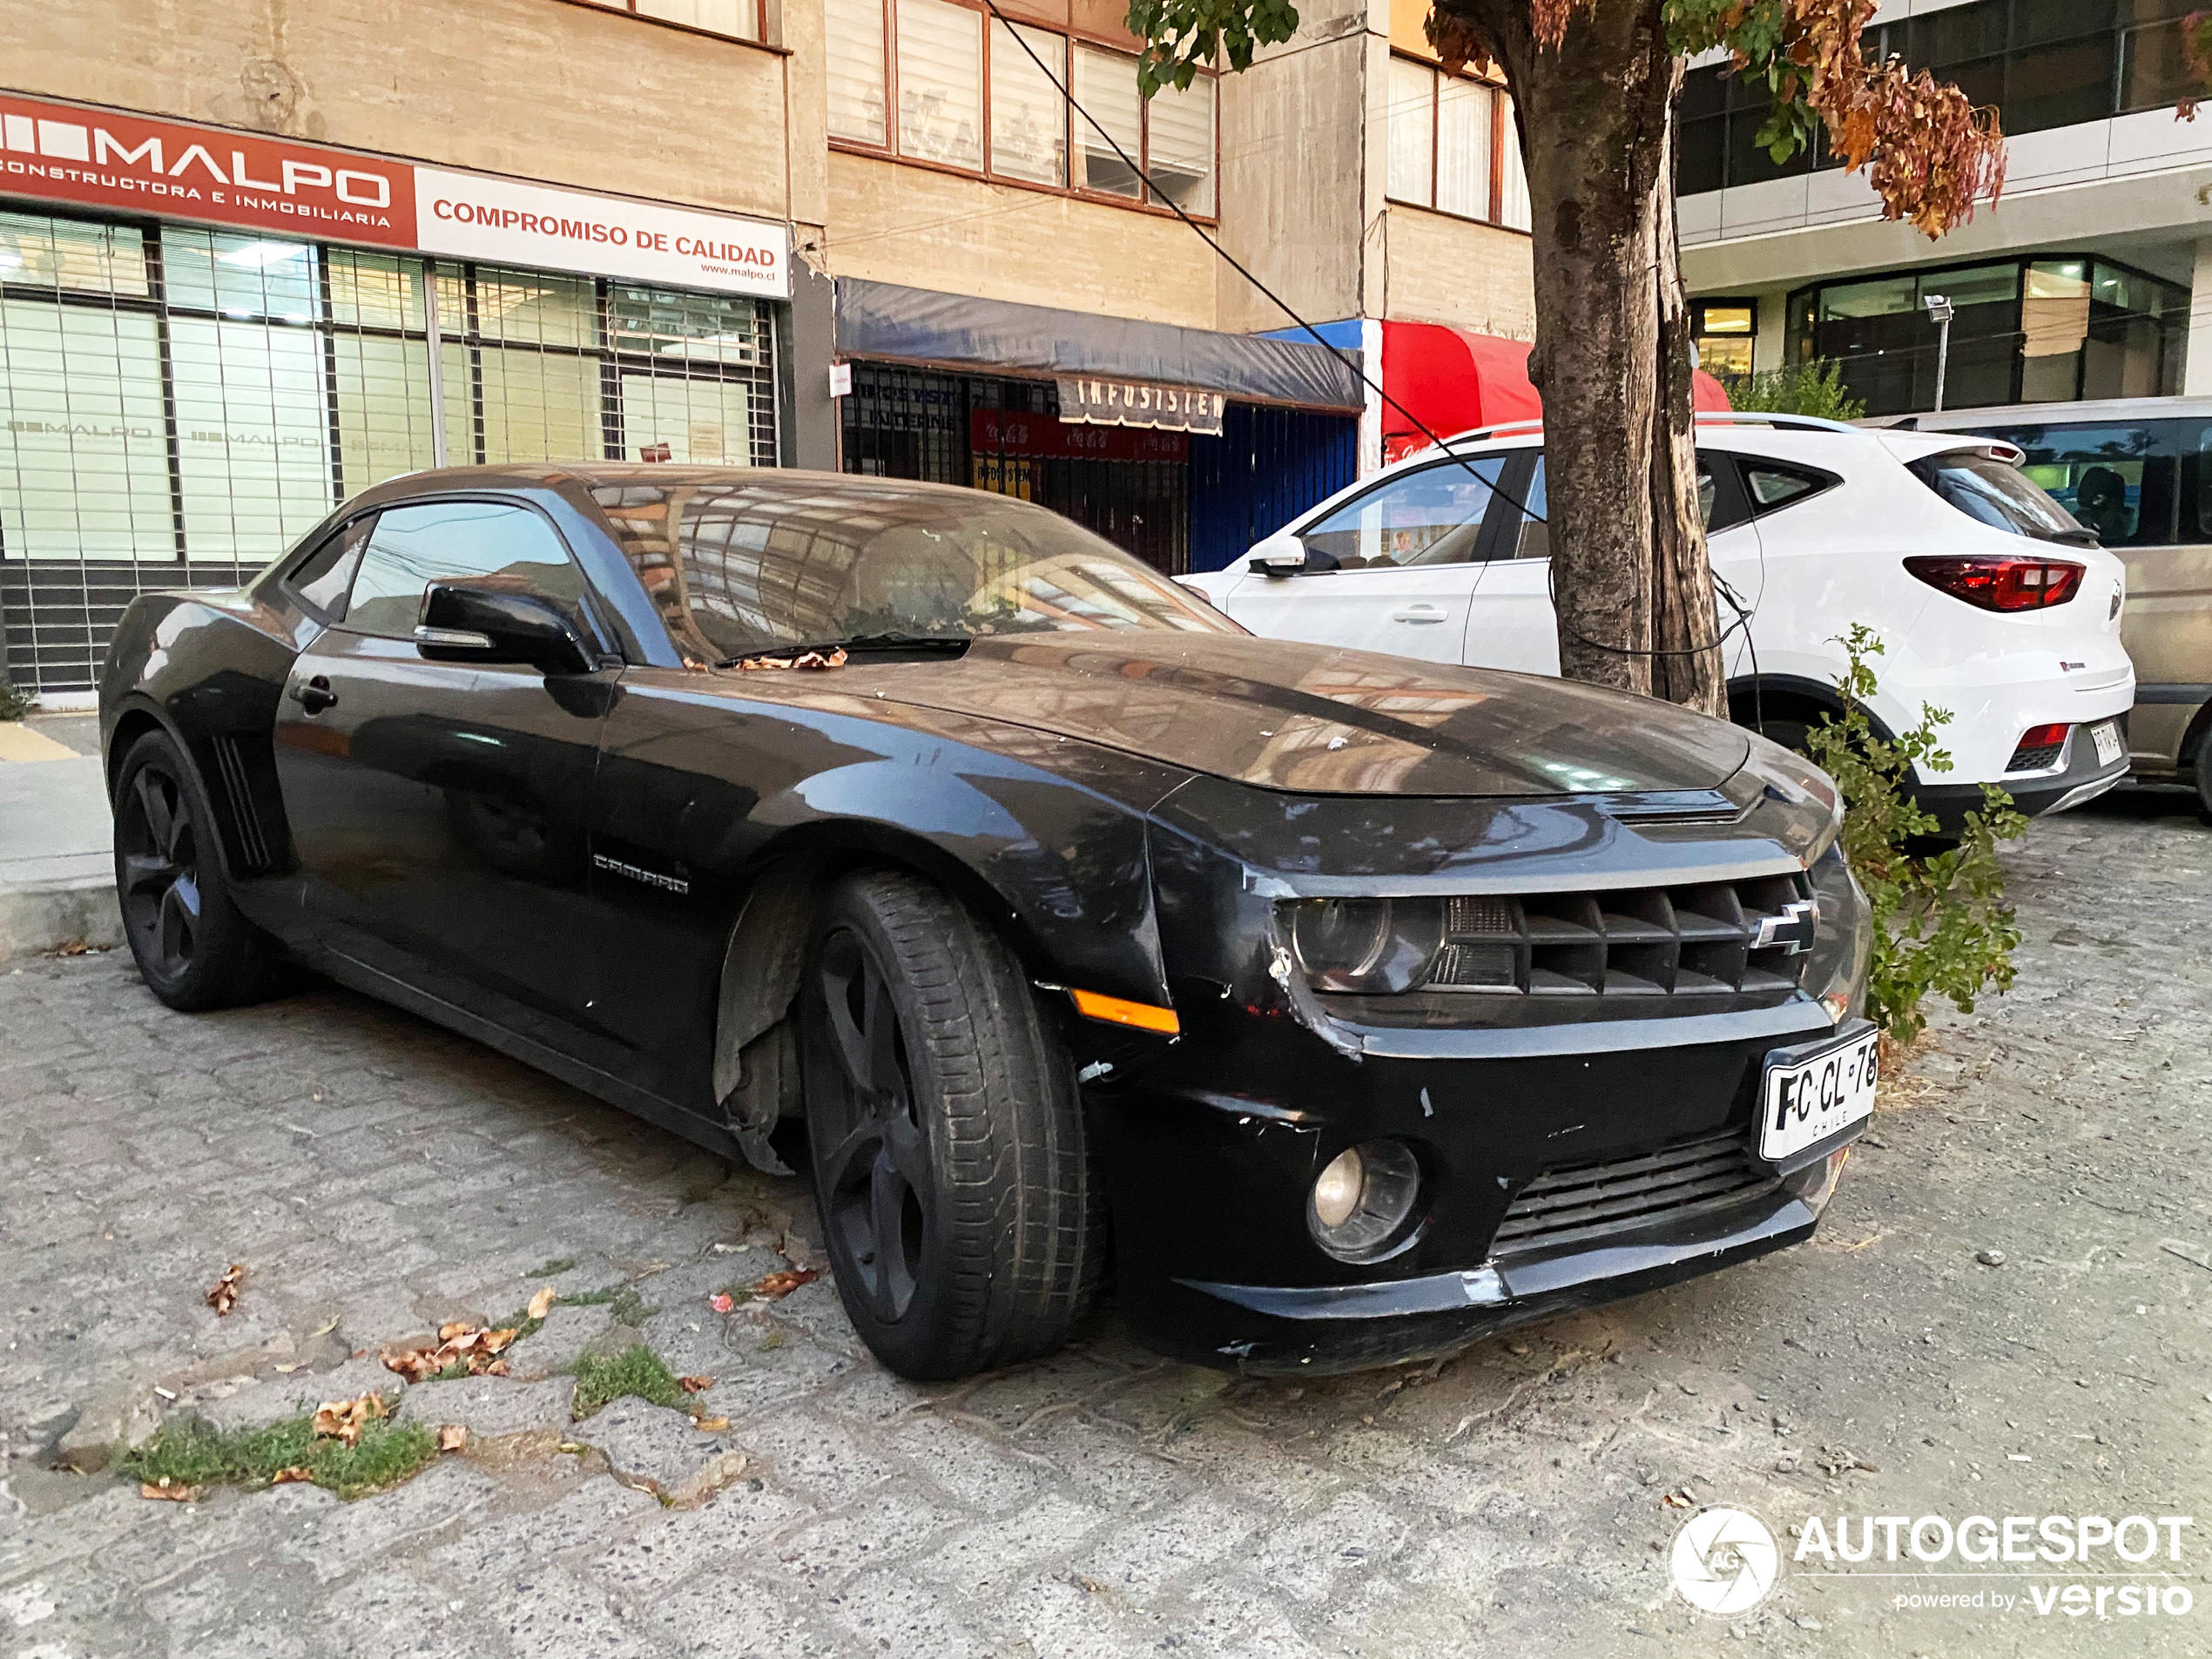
(2203, 771)
(194, 948)
(959, 1206)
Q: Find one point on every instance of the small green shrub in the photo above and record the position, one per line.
(1801, 388)
(1940, 921)
(191, 1453)
(15, 704)
(637, 1369)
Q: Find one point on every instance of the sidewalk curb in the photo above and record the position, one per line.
(36, 917)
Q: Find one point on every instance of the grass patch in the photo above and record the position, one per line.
(547, 1270)
(192, 1454)
(637, 1369)
(630, 1307)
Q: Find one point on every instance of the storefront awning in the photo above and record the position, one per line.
(884, 321)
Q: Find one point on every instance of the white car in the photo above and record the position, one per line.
(1990, 600)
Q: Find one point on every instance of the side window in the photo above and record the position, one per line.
(1432, 517)
(2118, 481)
(1771, 485)
(1532, 536)
(492, 543)
(324, 576)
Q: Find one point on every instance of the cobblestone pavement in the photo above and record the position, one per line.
(377, 1177)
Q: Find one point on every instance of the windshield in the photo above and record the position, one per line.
(1998, 494)
(739, 568)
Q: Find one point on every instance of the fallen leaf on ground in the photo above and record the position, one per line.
(459, 1344)
(721, 1302)
(222, 1296)
(695, 1385)
(74, 947)
(165, 1487)
(343, 1419)
(452, 1436)
(775, 1286)
(297, 1471)
(710, 1425)
(542, 1303)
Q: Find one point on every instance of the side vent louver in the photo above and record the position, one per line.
(252, 845)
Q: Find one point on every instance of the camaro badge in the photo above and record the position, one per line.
(651, 877)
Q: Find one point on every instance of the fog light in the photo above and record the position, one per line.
(1363, 1203)
(1335, 1194)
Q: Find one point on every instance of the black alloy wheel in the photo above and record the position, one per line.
(192, 945)
(877, 1193)
(960, 1208)
(156, 850)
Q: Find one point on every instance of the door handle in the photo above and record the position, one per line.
(314, 696)
(1418, 613)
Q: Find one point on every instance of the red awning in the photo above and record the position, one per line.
(1454, 379)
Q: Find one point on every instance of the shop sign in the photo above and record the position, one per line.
(129, 163)
(1093, 401)
(1013, 432)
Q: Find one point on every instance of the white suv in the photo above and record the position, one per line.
(1990, 600)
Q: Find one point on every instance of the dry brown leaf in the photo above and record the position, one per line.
(452, 1436)
(456, 1328)
(297, 1473)
(459, 1344)
(222, 1296)
(497, 1368)
(804, 659)
(695, 1385)
(165, 1487)
(74, 947)
(775, 1286)
(343, 1419)
(710, 1425)
(542, 1303)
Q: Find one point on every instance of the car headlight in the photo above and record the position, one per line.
(1385, 945)
(1844, 938)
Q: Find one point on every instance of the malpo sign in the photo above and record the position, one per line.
(109, 159)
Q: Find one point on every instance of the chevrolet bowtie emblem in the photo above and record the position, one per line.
(1793, 929)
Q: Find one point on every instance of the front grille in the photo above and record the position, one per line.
(2026, 759)
(1715, 939)
(1581, 1201)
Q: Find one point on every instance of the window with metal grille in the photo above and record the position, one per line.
(178, 405)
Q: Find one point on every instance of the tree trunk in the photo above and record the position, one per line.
(1632, 590)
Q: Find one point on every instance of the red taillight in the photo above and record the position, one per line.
(2002, 581)
(2043, 737)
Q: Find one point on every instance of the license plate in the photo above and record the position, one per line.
(2106, 735)
(1809, 1098)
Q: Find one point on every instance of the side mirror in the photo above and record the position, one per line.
(463, 625)
(1280, 560)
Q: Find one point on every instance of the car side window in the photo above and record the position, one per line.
(2119, 481)
(324, 577)
(1772, 485)
(1718, 500)
(1431, 516)
(492, 545)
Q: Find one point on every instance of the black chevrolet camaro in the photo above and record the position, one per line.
(1339, 1009)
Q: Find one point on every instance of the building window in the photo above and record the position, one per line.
(944, 54)
(181, 404)
(1452, 146)
(2053, 329)
(738, 19)
(1724, 331)
(2042, 64)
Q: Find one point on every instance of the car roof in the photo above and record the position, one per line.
(2111, 411)
(787, 482)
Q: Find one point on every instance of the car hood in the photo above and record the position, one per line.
(1318, 719)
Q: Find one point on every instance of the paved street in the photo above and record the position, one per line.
(376, 1177)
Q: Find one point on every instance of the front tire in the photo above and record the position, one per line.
(194, 948)
(960, 1207)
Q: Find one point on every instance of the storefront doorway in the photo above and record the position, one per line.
(1129, 484)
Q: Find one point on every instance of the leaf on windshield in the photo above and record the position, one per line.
(804, 659)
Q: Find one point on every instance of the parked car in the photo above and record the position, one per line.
(1361, 1006)
(2138, 472)
(1990, 600)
